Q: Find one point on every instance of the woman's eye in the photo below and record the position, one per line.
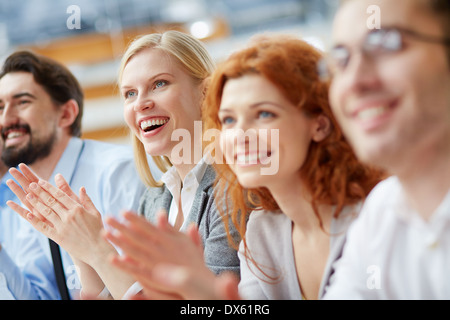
(266, 114)
(160, 84)
(227, 120)
(130, 94)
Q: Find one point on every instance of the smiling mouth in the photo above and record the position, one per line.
(152, 124)
(373, 112)
(14, 132)
(252, 158)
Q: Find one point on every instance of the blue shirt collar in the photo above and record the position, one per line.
(66, 164)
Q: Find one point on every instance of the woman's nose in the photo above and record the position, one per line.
(143, 104)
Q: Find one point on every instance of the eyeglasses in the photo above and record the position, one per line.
(378, 42)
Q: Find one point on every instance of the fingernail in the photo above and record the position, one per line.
(30, 196)
(33, 186)
(41, 182)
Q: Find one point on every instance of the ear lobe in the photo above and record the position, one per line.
(69, 112)
(322, 128)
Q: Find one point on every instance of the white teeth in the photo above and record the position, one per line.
(251, 158)
(372, 112)
(153, 122)
(14, 134)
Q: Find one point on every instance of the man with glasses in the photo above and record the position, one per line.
(390, 92)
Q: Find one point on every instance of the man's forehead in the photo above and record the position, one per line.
(356, 17)
(349, 22)
(16, 82)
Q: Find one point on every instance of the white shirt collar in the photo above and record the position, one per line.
(184, 192)
(173, 181)
(406, 213)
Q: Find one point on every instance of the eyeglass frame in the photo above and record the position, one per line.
(324, 66)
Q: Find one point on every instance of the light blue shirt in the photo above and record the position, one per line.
(23, 266)
(108, 173)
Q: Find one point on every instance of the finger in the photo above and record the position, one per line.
(129, 265)
(43, 210)
(20, 178)
(154, 294)
(194, 234)
(142, 228)
(226, 287)
(129, 242)
(51, 195)
(142, 273)
(43, 226)
(40, 196)
(19, 209)
(19, 192)
(62, 184)
(162, 221)
(180, 279)
(28, 173)
(85, 200)
(126, 246)
(22, 196)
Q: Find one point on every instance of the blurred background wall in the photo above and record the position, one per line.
(90, 36)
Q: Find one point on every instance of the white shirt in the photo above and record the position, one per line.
(269, 239)
(392, 253)
(185, 192)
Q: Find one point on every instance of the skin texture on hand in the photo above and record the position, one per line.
(167, 263)
(75, 224)
(72, 222)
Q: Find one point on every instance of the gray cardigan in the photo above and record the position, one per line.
(218, 254)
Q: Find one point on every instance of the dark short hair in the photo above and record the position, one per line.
(442, 9)
(55, 78)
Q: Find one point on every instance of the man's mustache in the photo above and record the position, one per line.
(18, 127)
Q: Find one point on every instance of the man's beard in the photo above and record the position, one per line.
(34, 150)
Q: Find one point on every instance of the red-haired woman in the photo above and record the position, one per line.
(288, 178)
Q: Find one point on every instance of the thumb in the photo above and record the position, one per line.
(194, 234)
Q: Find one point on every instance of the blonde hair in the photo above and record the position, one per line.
(193, 56)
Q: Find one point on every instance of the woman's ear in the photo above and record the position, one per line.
(321, 128)
(204, 85)
(69, 112)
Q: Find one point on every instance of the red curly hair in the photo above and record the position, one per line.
(331, 173)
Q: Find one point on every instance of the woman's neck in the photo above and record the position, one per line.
(188, 162)
(295, 202)
(184, 169)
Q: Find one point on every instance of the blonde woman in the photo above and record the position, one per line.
(162, 81)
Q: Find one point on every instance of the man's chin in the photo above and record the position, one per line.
(12, 157)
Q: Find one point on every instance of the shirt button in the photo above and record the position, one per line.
(433, 244)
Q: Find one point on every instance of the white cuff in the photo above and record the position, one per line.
(132, 291)
(104, 295)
